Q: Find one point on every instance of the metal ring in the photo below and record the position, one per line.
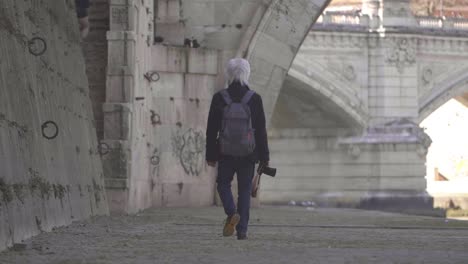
(44, 126)
(154, 160)
(150, 76)
(31, 43)
(103, 148)
(155, 118)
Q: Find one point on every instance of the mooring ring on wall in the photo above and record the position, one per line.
(152, 76)
(45, 125)
(155, 118)
(33, 45)
(103, 148)
(154, 160)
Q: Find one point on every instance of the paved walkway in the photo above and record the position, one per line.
(277, 235)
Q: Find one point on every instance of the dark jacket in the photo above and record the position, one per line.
(237, 91)
(82, 8)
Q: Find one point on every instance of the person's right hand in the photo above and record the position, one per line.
(211, 163)
(261, 165)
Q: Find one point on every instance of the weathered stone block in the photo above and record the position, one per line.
(115, 157)
(171, 33)
(274, 51)
(261, 71)
(117, 121)
(168, 59)
(169, 85)
(201, 13)
(168, 11)
(199, 87)
(227, 39)
(204, 61)
(121, 49)
(123, 17)
(119, 85)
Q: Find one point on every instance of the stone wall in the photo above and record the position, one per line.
(165, 62)
(316, 167)
(362, 96)
(50, 172)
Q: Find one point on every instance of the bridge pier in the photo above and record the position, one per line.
(382, 169)
(346, 124)
(165, 62)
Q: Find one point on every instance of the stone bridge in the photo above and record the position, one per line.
(345, 127)
(153, 67)
(342, 114)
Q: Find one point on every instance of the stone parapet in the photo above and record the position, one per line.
(352, 21)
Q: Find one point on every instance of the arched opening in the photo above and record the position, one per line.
(307, 123)
(447, 157)
(299, 105)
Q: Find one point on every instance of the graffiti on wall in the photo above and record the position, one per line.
(189, 148)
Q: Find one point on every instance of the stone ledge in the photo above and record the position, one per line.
(400, 131)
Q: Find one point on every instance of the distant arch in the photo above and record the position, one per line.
(453, 86)
(335, 95)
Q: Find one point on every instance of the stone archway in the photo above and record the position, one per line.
(333, 94)
(443, 114)
(274, 43)
(451, 87)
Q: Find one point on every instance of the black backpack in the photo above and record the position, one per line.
(237, 137)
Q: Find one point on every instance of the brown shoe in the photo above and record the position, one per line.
(230, 225)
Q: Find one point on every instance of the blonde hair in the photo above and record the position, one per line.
(237, 69)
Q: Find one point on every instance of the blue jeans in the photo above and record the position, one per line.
(244, 168)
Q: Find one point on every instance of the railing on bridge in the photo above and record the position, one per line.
(345, 18)
(357, 19)
(449, 23)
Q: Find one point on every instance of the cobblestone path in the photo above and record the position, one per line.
(276, 235)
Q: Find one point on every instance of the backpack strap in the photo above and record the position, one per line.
(226, 96)
(248, 95)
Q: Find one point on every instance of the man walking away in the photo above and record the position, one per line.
(236, 139)
(83, 19)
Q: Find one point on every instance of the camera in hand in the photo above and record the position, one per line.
(267, 170)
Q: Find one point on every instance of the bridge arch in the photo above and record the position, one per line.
(453, 86)
(272, 41)
(331, 93)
